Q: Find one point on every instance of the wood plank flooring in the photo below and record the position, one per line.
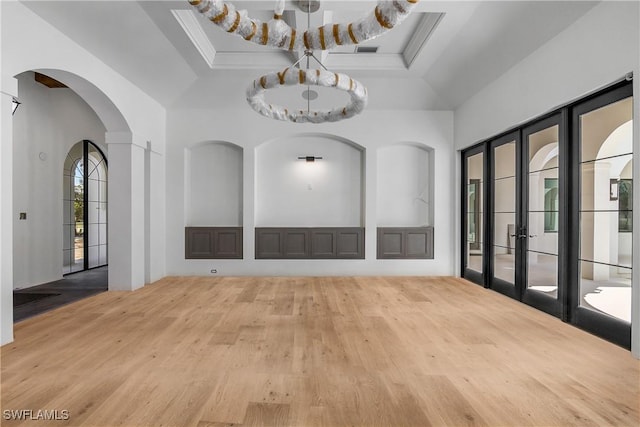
(369, 351)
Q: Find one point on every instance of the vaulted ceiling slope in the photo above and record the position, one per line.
(437, 59)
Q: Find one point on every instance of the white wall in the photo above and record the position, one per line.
(295, 193)
(599, 48)
(134, 123)
(48, 123)
(405, 186)
(371, 130)
(9, 88)
(128, 114)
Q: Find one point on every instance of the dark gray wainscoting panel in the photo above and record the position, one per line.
(405, 243)
(213, 243)
(323, 243)
(296, 243)
(310, 243)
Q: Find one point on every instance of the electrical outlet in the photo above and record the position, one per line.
(214, 271)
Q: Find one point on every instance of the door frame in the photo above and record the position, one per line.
(85, 201)
(607, 327)
(509, 289)
(469, 274)
(566, 306)
(553, 306)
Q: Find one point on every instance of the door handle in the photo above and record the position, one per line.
(533, 235)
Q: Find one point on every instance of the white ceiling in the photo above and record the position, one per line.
(473, 43)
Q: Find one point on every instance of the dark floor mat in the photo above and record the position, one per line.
(22, 298)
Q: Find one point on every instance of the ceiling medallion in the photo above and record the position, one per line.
(278, 34)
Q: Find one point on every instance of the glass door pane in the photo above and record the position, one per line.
(605, 167)
(97, 205)
(73, 211)
(543, 212)
(504, 212)
(474, 217)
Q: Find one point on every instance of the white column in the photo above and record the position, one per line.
(156, 217)
(369, 194)
(126, 211)
(9, 88)
(147, 213)
(248, 202)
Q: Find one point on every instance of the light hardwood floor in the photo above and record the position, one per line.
(367, 351)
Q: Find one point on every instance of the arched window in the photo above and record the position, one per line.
(84, 208)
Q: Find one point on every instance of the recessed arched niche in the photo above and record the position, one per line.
(327, 192)
(213, 200)
(213, 184)
(405, 181)
(309, 195)
(405, 201)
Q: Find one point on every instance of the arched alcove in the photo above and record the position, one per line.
(293, 192)
(213, 184)
(405, 179)
(405, 185)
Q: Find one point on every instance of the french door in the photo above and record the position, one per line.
(505, 221)
(600, 294)
(526, 173)
(547, 213)
(542, 215)
(84, 234)
(473, 208)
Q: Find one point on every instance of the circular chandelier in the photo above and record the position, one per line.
(311, 77)
(277, 33)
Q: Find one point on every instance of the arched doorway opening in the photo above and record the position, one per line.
(85, 243)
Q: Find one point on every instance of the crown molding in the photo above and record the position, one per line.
(191, 26)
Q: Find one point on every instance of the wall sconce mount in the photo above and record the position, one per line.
(14, 105)
(309, 158)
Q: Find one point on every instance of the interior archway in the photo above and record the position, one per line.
(52, 118)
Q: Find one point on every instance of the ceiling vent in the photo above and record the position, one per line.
(367, 49)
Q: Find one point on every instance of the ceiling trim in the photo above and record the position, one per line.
(423, 33)
(366, 61)
(279, 60)
(189, 23)
(253, 60)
